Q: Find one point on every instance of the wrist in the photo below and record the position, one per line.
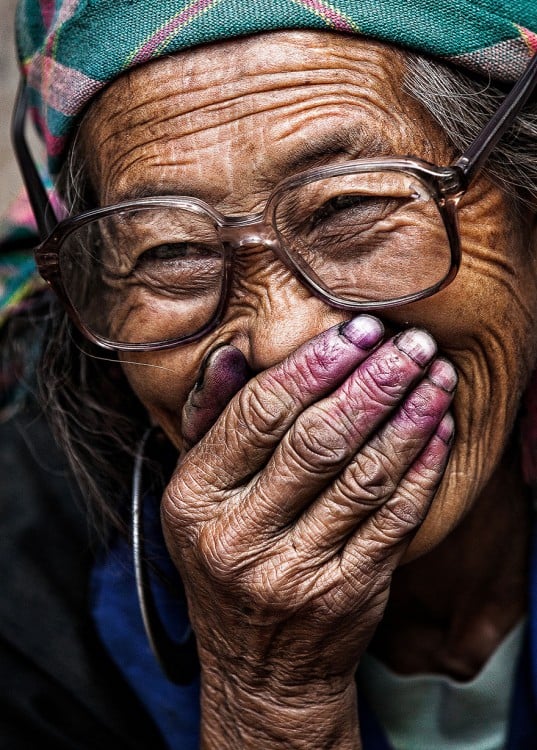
(259, 712)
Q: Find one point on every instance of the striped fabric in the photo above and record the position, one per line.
(18, 275)
(70, 49)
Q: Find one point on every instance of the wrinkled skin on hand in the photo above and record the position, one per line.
(291, 513)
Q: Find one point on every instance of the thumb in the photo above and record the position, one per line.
(223, 372)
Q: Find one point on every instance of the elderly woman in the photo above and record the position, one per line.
(301, 255)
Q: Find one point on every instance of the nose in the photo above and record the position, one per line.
(271, 313)
(279, 329)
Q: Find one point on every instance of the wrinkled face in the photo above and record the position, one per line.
(224, 123)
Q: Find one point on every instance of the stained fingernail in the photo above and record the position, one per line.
(200, 382)
(223, 372)
(364, 331)
(443, 374)
(446, 429)
(417, 344)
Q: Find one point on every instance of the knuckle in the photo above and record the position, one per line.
(362, 576)
(368, 479)
(385, 378)
(260, 412)
(311, 367)
(376, 386)
(277, 590)
(397, 518)
(317, 444)
(421, 408)
(216, 555)
(178, 503)
(397, 446)
(268, 593)
(421, 486)
(317, 364)
(404, 512)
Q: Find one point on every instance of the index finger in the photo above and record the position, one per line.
(260, 414)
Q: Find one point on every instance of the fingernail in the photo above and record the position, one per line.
(365, 331)
(443, 374)
(417, 344)
(223, 372)
(446, 429)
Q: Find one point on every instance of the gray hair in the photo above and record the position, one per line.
(462, 105)
(96, 416)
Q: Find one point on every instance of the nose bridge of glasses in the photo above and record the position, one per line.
(242, 235)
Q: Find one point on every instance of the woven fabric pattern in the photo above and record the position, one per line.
(18, 274)
(70, 49)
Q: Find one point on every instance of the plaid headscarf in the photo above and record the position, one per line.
(70, 49)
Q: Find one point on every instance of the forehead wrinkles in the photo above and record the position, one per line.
(219, 76)
(164, 114)
(185, 141)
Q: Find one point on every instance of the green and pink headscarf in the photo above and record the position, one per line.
(70, 49)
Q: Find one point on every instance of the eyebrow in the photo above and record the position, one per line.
(352, 142)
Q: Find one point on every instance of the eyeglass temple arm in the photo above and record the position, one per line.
(43, 210)
(471, 162)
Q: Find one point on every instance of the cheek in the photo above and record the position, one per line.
(485, 323)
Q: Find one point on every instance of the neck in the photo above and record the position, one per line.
(449, 610)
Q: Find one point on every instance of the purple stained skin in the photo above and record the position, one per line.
(446, 429)
(364, 331)
(223, 372)
(443, 374)
(422, 410)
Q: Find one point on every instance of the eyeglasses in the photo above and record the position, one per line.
(365, 235)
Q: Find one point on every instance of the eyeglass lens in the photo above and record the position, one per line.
(144, 275)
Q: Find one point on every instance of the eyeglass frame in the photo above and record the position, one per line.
(447, 185)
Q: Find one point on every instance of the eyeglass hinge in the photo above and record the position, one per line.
(454, 181)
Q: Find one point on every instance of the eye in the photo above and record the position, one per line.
(167, 252)
(343, 202)
(367, 207)
(178, 252)
(170, 251)
(179, 268)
